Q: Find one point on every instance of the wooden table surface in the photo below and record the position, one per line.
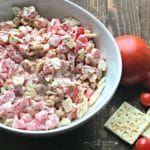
(120, 17)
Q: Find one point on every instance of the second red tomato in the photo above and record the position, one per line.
(145, 99)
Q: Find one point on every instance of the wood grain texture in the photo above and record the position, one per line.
(145, 19)
(96, 7)
(129, 17)
(123, 17)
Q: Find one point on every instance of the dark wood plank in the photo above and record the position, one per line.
(96, 7)
(123, 17)
(145, 19)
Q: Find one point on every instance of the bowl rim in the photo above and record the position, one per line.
(84, 119)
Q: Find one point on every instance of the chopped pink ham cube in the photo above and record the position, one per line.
(41, 116)
(8, 96)
(18, 124)
(52, 121)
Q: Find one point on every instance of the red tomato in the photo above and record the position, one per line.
(80, 30)
(135, 58)
(82, 38)
(89, 92)
(143, 144)
(75, 94)
(145, 99)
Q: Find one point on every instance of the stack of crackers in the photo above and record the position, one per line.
(129, 123)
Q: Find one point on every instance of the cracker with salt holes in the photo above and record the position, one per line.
(146, 132)
(127, 123)
(97, 93)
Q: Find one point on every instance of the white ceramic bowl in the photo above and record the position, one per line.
(104, 41)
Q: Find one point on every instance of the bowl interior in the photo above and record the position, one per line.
(104, 41)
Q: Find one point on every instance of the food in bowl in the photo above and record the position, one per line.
(51, 72)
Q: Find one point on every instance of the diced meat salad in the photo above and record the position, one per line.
(51, 73)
